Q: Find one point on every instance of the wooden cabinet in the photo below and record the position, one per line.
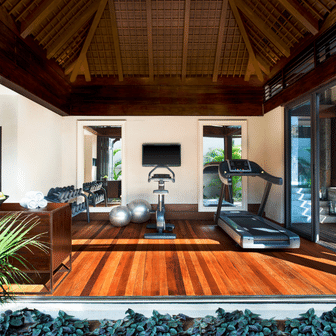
(55, 224)
(113, 189)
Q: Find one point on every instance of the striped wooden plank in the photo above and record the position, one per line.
(203, 260)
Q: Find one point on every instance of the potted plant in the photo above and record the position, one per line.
(14, 236)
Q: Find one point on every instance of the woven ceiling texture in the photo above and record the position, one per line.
(160, 38)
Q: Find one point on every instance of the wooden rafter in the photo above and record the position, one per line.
(220, 39)
(35, 19)
(116, 40)
(185, 39)
(263, 65)
(86, 69)
(246, 39)
(312, 9)
(69, 68)
(82, 55)
(249, 70)
(72, 30)
(323, 6)
(150, 39)
(298, 11)
(330, 20)
(262, 26)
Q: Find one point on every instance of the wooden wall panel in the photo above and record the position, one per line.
(323, 74)
(167, 100)
(28, 73)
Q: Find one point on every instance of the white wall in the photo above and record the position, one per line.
(90, 153)
(9, 123)
(40, 152)
(32, 147)
(274, 158)
(181, 130)
(184, 130)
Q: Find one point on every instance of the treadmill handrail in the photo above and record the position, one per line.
(225, 174)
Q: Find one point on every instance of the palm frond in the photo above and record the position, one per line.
(14, 231)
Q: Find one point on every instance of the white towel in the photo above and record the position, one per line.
(42, 203)
(28, 203)
(35, 195)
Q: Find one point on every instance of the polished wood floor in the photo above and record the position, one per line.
(203, 260)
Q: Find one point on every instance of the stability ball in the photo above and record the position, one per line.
(120, 216)
(140, 211)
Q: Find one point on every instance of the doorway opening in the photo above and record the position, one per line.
(103, 163)
(221, 140)
(327, 176)
(310, 133)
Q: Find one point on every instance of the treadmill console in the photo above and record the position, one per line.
(239, 166)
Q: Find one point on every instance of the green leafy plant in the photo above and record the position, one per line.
(217, 155)
(14, 229)
(116, 172)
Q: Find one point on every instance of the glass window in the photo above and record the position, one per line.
(220, 141)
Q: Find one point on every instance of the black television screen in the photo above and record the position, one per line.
(161, 154)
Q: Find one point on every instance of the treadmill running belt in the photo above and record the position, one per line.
(259, 229)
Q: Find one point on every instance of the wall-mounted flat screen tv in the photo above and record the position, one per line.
(161, 154)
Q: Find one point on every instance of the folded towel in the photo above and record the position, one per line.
(35, 195)
(42, 203)
(28, 203)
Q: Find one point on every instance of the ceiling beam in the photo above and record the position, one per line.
(112, 132)
(72, 30)
(150, 39)
(263, 27)
(220, 40)
(304, 17)
(88, 40)
(329, 21)
(220, 131)
(264, 66)
(116, 40)
(185, 38)
(36, 17)
(86, 69)
(249, 70)
(246, 39)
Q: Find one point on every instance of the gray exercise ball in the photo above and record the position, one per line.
(120, 216)
(140, 211)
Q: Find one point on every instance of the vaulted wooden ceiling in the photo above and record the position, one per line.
(114, 42)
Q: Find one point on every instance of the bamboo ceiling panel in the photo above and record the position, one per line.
(203, 31)
(167, 30)
(101, 55)
(132, 31)
(234, 55)
(164, 38)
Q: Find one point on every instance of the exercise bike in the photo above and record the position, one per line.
(161, 224)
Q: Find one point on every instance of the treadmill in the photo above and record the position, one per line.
(246, 229)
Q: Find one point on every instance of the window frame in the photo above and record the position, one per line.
(220, 122)
(80, 152)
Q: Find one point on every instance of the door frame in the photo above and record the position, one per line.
(313, 98)
(80, 152)
(244, 153)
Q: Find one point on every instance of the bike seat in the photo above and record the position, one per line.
(161, 176)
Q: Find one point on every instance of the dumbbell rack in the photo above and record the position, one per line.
(97, 193)
(69, 195)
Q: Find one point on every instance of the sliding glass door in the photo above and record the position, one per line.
(302, 168)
